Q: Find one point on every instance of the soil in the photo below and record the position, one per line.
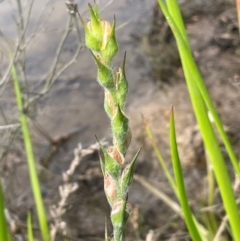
(214, 37)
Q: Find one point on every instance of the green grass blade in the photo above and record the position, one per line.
(4, 234)
(180, 184)
(204, 233)
(42, 218)
(29, 228)
(174, 11)
(175, 20)
(198, 92)
(215, 156)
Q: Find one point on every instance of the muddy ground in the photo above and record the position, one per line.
(214, 37)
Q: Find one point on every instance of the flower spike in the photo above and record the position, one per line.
(101, 40)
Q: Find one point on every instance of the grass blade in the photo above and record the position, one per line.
(42, 218)
(199, 96)
(176, 23)
(29, 228)
(4, 234)
(180, 184)
(209, 137)
(204, 233)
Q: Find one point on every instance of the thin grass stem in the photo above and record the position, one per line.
(42, 218)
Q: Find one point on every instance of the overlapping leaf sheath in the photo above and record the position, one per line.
(100, 39)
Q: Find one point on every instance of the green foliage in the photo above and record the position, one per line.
(202, 103)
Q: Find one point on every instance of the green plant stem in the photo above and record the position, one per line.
(42, 218)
